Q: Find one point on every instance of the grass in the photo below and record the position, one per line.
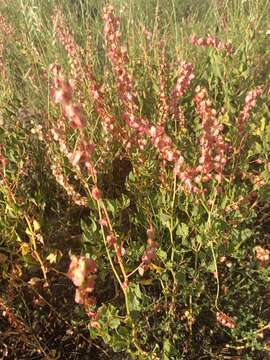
(107, 248)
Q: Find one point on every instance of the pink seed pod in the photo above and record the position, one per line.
(125, 285)
(150, 233)
(96, 193)
(262, 255)
(225, 320)
(90, 284)
(103, 222)
(79, 269)
(111, 240)
(80, 296)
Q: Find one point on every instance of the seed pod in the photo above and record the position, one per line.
(225, 320)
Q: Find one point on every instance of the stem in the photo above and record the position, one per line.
(107, 250)
(172, 243)
(209, 223)
(135, 270)
(125, 290)
(216, 270)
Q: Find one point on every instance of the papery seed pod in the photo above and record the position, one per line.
(103, 222)
(225, 320)
(80, 296)
(262, 255)
(90, 284)
(120, 251)
(95, 324)
(96, 193)
(124, 285)
(141, 270)
(111, 240)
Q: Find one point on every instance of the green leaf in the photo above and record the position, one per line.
(182, 230)
(164, 219)
(180, 277)
(111, 207)
(264, 192)
(114, 323)
(118, 343)
(134, 296)
(162, 254)
(166, 349)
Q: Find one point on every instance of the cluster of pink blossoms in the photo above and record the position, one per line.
(82, 273)
(62, 93)
(5, 27)
(185, 76)
(66, 38)
(250, 103)
(150, 253)
(211, 41)
(213, 147)
(119, 59)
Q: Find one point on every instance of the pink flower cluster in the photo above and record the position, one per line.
(82, 273)
(119, 59)
(62, 93)
(213, 147)
(66, 38)
(99, 100)
(211, 41)
(150, 253)
(5, 27)
(185, 76)
(250, 103)
(163, 143)
(107, 120)
(81, 71)
(163, 106)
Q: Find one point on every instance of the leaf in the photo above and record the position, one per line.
(180, 277)
(211, 267)
(164, 219)
(137, 291)
(182, 230)
(54, 256)
(36, 225)
(25, 249)
(114, 323)
(146, 281)
(166, 349)
(134, 294)
(29, 233)
(118, 343)
(111, 207)
(264, 192)
(162, 254)
(87, 231)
